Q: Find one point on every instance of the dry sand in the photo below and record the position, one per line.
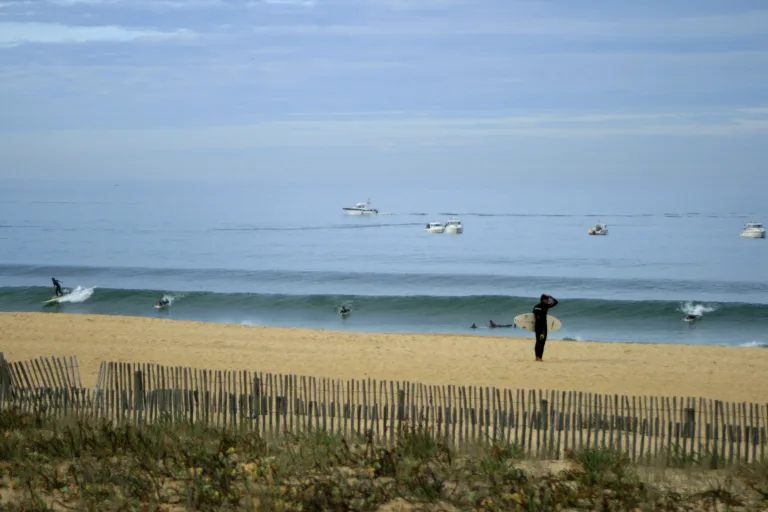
(734, 374)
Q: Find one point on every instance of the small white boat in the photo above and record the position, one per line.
(454, 227)
(599, 229)
(361, 209)
(434, 227)
(753, 230)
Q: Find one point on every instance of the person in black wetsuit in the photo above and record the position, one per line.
(540, 313)
(57, 287)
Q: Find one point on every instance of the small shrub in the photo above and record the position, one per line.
(94, 465)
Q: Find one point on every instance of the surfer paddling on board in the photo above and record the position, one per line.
(494, 325)
(57, 287)
(540, 313)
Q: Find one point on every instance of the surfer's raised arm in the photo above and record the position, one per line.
(554, 301)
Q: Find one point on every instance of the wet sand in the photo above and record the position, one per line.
(726, 373)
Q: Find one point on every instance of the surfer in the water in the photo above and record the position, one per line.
(57, 287)
(691, 318)
(493, 325)
(162, 302)
(344, 310)
(540, 313)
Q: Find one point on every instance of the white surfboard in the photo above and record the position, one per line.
(55, 299)
(527, 322)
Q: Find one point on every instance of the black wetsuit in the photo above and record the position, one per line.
(540, 312)
(57, 287)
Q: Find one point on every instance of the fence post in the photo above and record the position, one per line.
(5, 379)
(689, 427)
(400, 405)
(138, 395)
(256, 398)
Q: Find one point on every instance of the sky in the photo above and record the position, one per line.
(386, 91)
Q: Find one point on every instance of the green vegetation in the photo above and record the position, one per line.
(82, 465)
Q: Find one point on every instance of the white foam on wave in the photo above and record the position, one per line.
(754, 344)
(691, 308)
(78, 295)
(572, 338)
(172, 298)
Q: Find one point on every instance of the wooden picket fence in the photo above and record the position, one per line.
(543, 423)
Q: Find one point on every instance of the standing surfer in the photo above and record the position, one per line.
(540, 314)
(57, 287)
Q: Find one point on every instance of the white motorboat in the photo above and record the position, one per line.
(753, 230)
(434, 227)
(599, 229)
(361, 209)
(454, 227)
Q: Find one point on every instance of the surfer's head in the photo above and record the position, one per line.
(544, 298)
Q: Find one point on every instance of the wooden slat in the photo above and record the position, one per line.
(543, 423)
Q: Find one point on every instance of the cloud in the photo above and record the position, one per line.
(178, 4)
(677, 28)
(417, 4)
(83, 2)
(725, 26)
(371, 133)
(755, 110)
(17, 33)
(298, 3)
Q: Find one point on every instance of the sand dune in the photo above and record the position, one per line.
(736, 374)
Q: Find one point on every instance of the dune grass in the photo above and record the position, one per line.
(93, 465)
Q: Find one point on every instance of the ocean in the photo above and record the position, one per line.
(281, 255)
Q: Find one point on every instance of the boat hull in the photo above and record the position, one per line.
(453, 230)
(757, 234)
(354, 211)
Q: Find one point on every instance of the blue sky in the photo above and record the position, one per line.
(310, 90)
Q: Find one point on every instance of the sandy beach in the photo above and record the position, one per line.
(734, 374)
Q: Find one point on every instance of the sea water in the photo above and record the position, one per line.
(257, 254)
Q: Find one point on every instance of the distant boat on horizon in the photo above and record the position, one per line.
(361, 209)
